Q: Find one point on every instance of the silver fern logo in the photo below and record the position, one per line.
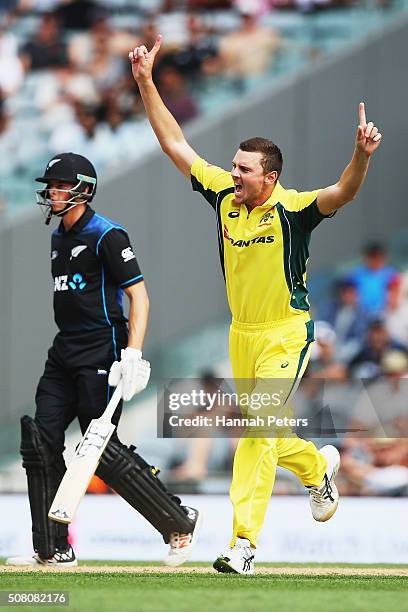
(77, 250)
(52, 162)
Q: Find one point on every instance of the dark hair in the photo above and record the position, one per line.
(271, 153)
(374, 248)
(377, 322)
(208, 377)
(346, 282)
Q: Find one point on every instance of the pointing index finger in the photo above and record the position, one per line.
(362, 115)
(157, 45)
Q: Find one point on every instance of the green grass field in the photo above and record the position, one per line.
(146, 587)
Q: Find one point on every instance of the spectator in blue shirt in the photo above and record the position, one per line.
(372, 279)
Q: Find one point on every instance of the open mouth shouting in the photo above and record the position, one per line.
(238, 189)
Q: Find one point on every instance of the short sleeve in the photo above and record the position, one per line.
(119, 259)
(304, 199)
(209, 180)
(304, 203)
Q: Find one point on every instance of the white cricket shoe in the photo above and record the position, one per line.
(325, 498)
(182, 544)
(59, 559)
(238, 560)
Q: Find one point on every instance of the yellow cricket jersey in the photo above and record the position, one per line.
(264, 252)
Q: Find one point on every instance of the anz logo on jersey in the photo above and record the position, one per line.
(61, 283)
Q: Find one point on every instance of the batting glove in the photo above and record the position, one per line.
(133, 370)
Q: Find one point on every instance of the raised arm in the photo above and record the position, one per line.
(164, 125)
(367, 141)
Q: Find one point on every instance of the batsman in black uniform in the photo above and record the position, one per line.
(93, 264)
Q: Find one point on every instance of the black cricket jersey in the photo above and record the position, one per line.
(91, 265)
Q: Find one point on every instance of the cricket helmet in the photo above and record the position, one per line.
(69, 168)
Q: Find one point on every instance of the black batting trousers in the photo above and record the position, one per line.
(75, 382)
(74, 385)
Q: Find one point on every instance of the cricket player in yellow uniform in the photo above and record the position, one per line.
(263, 234)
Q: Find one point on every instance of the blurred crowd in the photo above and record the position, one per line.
(361, 354)
(65, 75)
(65, 80)
(364, 320)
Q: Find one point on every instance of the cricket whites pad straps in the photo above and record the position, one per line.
(136, 481)
(44, 473)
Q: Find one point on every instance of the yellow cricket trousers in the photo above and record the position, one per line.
(277, 352)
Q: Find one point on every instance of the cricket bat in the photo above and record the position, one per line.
(84, 463)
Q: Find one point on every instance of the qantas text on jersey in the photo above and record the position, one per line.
(246, 243)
